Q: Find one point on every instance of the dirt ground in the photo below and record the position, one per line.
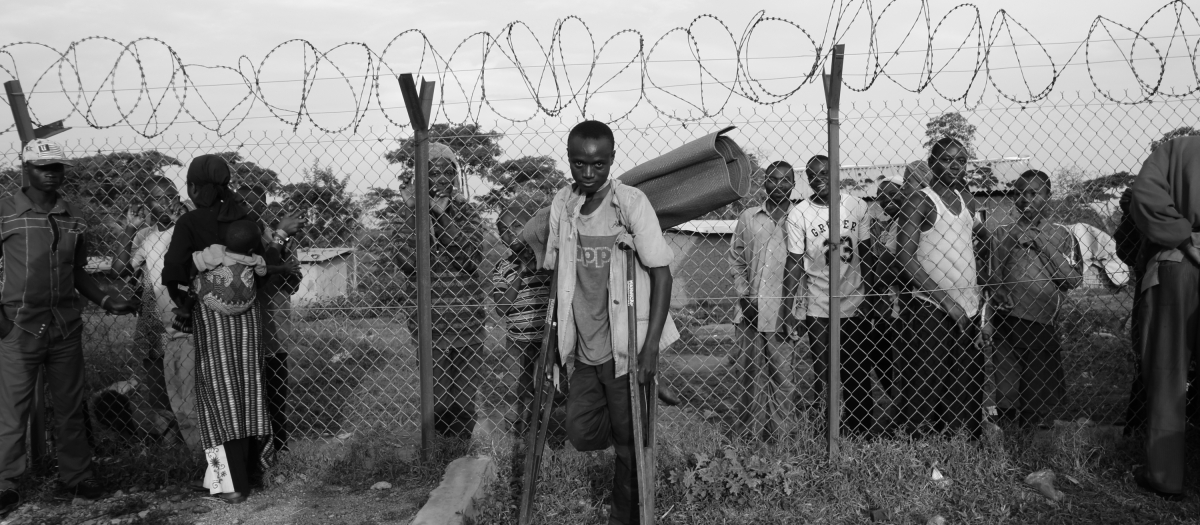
(297, 503)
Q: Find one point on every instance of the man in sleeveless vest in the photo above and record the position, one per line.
(1166, 208)
(942, 369)
(810, 251)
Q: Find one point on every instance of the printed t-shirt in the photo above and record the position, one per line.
(597, 239)
(808, 235)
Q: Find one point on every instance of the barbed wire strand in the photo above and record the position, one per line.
(545, 73)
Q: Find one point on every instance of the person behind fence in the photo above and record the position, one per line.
(811, 248)
(521, 292)
(1035, 265)
(1129, 244)
(916, 176)
(456, 240)
(1166, 209)
(44, 240)
(941, 367)
(886, 280)
(589, 221)
(146, 248)
(231, 406)
(764, 355)
(276, 298)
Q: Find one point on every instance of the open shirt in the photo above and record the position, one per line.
(641, 222)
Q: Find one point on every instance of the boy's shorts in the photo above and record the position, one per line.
(1029, 372)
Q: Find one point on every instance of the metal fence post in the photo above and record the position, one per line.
(419, 106)
(833, 90)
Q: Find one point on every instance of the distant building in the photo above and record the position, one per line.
(863, 180)
(701, 267)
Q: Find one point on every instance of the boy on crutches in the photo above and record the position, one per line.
(588, 222)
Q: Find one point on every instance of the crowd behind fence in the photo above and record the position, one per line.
(348, 330)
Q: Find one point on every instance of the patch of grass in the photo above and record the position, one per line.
(327, 370)
(986, 480)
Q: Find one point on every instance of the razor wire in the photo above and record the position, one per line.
(547, 72)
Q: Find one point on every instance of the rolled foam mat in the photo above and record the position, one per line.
(694, 179)
(683, 184)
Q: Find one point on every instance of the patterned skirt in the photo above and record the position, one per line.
(230, 402)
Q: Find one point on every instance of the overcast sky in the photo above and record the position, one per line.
(240, 34)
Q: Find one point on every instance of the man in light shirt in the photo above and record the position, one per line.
(757, 256)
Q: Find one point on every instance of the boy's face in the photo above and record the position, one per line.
(591, 160)
(818, 177)
(162, 201)
(510, 231)
(1032, 196)
(951, 166)
(889, 198)
(48, 178)
(779, 184)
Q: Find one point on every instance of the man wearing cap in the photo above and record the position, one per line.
(45, 250)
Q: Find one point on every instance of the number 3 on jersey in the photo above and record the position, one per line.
(847, 250)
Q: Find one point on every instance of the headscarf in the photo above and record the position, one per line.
(210, 176)
(438, 150)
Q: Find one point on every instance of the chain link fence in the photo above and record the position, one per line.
(1056, 345)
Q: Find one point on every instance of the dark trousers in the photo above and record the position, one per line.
(857, 402)
(244, 467)
(155, 379)
(526, 353)
(600, 413)
(1170, 318)
(21, 354)
(882, 343)
(276, 389)
(1136, 413)
(1033, 362)
(147, 338)
(455, 373)
(942, 373)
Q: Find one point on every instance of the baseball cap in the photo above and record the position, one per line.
(42, 152)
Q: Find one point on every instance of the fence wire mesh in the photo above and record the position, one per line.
(1047, 301)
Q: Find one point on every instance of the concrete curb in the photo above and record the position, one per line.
(453, 502)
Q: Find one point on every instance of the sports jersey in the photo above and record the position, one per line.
(808, 235)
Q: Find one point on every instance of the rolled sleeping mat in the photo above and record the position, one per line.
(694, 179)
(683, 184)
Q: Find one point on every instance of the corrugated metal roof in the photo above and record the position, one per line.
(707, 227)
(316, 255)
